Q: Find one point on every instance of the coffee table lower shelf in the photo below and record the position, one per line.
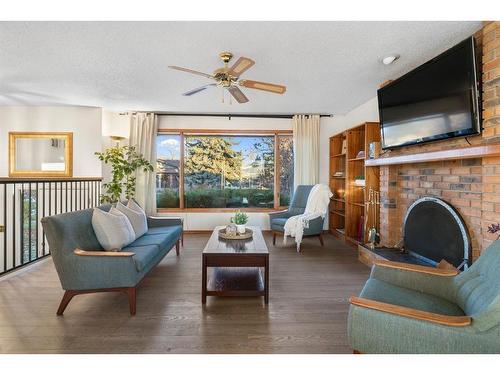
(240, 281)
(236, 282)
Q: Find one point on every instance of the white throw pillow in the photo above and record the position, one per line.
(112, 229)
(136, 216)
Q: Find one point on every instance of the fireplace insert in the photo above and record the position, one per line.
(433, 230)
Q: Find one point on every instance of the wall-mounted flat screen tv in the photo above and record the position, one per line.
(438, 100)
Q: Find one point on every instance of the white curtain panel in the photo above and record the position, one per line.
(143, 130)
(306, 149)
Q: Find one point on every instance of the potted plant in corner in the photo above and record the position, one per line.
(124, 161)
(240, 219)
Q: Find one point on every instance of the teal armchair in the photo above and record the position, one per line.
(297, 207)
(414, 309)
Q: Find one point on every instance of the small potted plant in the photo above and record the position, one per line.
(240, 219)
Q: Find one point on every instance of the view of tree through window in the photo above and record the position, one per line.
(223, 171)
(226, 172)
(285, 147)
(168, 148)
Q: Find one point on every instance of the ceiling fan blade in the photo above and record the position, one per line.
(190, 71)
(240, 66)
(271, 87)
(195, 91)
(237, 94)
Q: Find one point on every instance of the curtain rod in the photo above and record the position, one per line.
(228, 115)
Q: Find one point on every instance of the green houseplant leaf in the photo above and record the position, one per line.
(124, 161)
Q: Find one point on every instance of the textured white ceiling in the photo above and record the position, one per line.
(328, 67)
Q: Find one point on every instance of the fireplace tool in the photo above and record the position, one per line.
(372, 207)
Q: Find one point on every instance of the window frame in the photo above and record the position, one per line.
(225, 132)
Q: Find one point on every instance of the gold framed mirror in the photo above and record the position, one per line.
(40, 154)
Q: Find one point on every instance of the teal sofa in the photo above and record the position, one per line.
(414, 309)
(84, 267)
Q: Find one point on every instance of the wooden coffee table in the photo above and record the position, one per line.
(236, 266)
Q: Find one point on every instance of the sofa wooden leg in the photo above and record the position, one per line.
(68, 295)
(131, 300)
(356, 352)
(274, 238)
(321, 240)
(182, 239)
(177, 247)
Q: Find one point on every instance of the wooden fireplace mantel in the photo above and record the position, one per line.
(452, 154)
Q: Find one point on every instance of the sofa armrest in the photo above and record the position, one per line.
(98, 253)
(279, 214)
(164, 221)
(447, 272)
(448, 320)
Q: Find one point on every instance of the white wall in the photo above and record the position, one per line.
(330, 126)
(84, 122)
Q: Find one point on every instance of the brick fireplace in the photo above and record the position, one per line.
(472, 186)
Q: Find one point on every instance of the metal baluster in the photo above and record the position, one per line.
(55, 198)
(43, 215)
(66, 194)
(29, 222)
(60, 198)
(14, 227)
(22, 223)
(5, 227)
(36, 221)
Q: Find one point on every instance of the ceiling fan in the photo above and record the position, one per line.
(229, 78)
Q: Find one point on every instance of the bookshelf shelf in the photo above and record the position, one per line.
(338, 200)
(357, 204)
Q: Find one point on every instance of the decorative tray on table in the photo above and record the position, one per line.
(236, 236)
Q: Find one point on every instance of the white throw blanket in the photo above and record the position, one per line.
(316, 206)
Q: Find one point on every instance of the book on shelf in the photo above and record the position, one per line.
(338, 174)
(359, 181)
(360, 154)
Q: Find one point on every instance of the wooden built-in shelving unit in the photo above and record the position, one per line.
(347, 207)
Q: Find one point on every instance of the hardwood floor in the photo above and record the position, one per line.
(307, 311)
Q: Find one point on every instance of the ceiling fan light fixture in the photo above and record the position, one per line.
(228, 78)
